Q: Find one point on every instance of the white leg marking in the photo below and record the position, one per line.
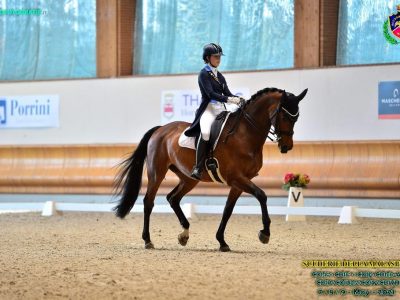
(185, 232)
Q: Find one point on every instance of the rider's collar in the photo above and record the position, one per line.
(212, 69)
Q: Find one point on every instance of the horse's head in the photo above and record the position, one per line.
(285, 117)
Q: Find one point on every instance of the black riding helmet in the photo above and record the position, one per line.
(211, 49)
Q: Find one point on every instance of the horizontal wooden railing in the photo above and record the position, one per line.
(368, 169)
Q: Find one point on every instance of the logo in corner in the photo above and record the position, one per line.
(168, 106)
(391, 28)
(3, 111)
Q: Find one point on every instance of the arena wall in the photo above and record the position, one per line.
(342, 104)
(339, 140)
(337, 169)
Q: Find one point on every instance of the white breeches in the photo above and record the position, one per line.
(214, 108)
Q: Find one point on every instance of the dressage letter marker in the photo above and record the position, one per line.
(348, 215)
(49, 209)
(295, 199)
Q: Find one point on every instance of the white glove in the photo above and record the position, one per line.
(234, 100)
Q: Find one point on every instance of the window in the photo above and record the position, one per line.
(55, 40)
(360, 35)
(255, 35)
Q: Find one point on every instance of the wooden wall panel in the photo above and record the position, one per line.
(126, 17)
(106, 38)
(329, 11)
(306, 33)
(315, 38)
(114, 34)
(337, 169)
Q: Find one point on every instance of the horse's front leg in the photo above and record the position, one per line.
(229, 206)
(248, 186)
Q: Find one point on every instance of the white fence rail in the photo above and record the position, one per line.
(347, 214)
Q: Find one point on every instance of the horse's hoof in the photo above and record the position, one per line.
(263, 237)
(224, 248)
(183, 239)
(149, 245)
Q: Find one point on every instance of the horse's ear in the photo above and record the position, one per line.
(302, 95)
(284, 97)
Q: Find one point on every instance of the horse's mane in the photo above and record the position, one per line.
(264, 91)
(239, 112)
(257, 95)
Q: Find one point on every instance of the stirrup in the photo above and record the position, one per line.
(196, 173)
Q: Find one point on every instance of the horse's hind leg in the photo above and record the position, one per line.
(174, 198)
(155, 178)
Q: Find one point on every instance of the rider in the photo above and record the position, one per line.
(214, 93)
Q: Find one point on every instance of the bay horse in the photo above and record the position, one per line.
(239, 155)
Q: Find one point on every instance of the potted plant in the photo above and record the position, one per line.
(295, 180)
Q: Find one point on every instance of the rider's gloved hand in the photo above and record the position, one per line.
(234, 100)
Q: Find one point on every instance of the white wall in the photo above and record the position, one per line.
(342, 104)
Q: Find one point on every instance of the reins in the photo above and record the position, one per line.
(250, 119)
(275, 132)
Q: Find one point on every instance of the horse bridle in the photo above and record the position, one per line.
(276, 133)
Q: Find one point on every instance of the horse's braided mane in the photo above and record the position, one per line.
(257, 95)
(263, 91)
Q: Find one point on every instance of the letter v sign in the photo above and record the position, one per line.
(295, 199)
(294, 196)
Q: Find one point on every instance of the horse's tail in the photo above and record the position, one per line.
(129, 179)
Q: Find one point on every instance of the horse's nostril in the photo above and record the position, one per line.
(284, 149)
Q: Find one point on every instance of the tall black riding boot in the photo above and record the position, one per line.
(201, 152)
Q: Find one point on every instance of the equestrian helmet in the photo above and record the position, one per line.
(211, 49)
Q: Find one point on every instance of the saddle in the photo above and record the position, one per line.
(212, 165)
(191, 142)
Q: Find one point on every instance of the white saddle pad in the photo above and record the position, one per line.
(188, 141)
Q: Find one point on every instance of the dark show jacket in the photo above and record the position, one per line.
(210, 89)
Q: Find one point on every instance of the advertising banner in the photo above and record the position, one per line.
(181, 105)
(31, 111)
(389, 100)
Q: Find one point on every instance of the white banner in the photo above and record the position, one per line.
(181, 105)
(29, 111)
